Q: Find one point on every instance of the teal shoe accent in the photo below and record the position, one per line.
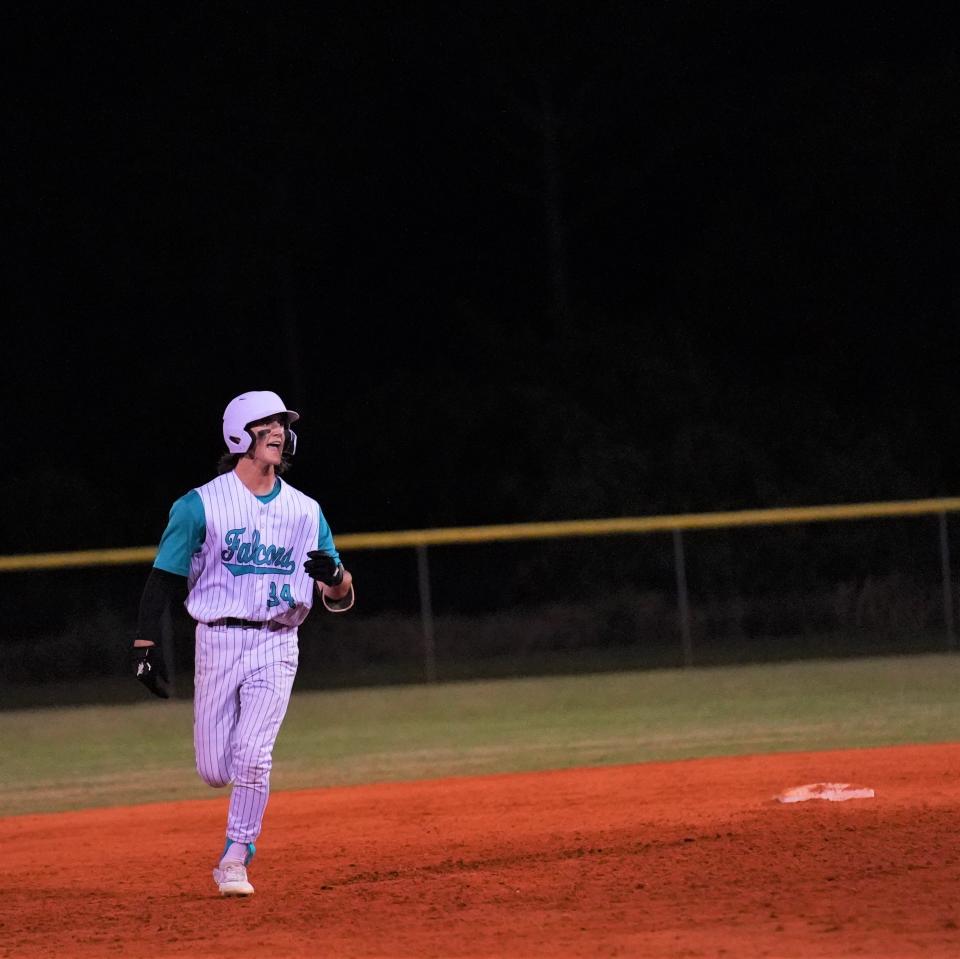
(251, 850)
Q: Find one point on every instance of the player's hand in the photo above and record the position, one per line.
(149, 668)
(324, 568)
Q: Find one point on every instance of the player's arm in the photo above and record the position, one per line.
(162, 589)
(166, 584)
(334, 581)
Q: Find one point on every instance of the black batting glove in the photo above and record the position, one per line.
(323, 567)
(149, 668)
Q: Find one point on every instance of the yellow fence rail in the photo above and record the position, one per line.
(420, 539)
(520, 531)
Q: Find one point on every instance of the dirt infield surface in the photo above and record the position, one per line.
(691, 858)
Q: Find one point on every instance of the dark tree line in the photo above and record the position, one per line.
(672, 257)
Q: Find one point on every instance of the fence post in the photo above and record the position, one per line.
(426, 615)
(680, 568)
(947, 588)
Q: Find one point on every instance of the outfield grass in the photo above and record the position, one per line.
(69, 758)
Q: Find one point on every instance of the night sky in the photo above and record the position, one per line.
(644, 258)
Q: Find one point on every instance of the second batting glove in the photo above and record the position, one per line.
(323, 567)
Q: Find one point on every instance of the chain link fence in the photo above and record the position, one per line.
(512, 601)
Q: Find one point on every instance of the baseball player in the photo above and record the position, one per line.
(245, 553)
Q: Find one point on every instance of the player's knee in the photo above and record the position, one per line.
(214, 776)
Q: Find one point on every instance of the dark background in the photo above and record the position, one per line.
(509, 266)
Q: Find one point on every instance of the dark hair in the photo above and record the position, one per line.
(228, 462)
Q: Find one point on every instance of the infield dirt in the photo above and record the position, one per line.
(692, 858)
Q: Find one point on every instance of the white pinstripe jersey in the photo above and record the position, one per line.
(251, 562)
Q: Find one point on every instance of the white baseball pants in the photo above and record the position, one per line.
(243, 680)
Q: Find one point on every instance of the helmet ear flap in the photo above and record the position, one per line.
(240, 444)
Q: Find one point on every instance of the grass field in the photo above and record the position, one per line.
(69, 758)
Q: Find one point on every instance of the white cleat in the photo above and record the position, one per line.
(232, 880)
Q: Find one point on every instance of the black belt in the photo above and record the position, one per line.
(242, 623)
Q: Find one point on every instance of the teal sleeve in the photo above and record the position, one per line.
(325, 539)
(183, 536)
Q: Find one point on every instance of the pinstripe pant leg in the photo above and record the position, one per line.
(216, 701)
(270, 666)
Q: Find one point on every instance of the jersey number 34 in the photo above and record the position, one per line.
(285, 596)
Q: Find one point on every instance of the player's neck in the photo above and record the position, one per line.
(259, 478)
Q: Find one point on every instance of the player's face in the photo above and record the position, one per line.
(269, 435)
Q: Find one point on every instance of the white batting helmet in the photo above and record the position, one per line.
(248, 408)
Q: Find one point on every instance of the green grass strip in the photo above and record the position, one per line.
(69, 758)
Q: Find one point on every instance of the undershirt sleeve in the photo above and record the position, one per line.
(161, 590)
